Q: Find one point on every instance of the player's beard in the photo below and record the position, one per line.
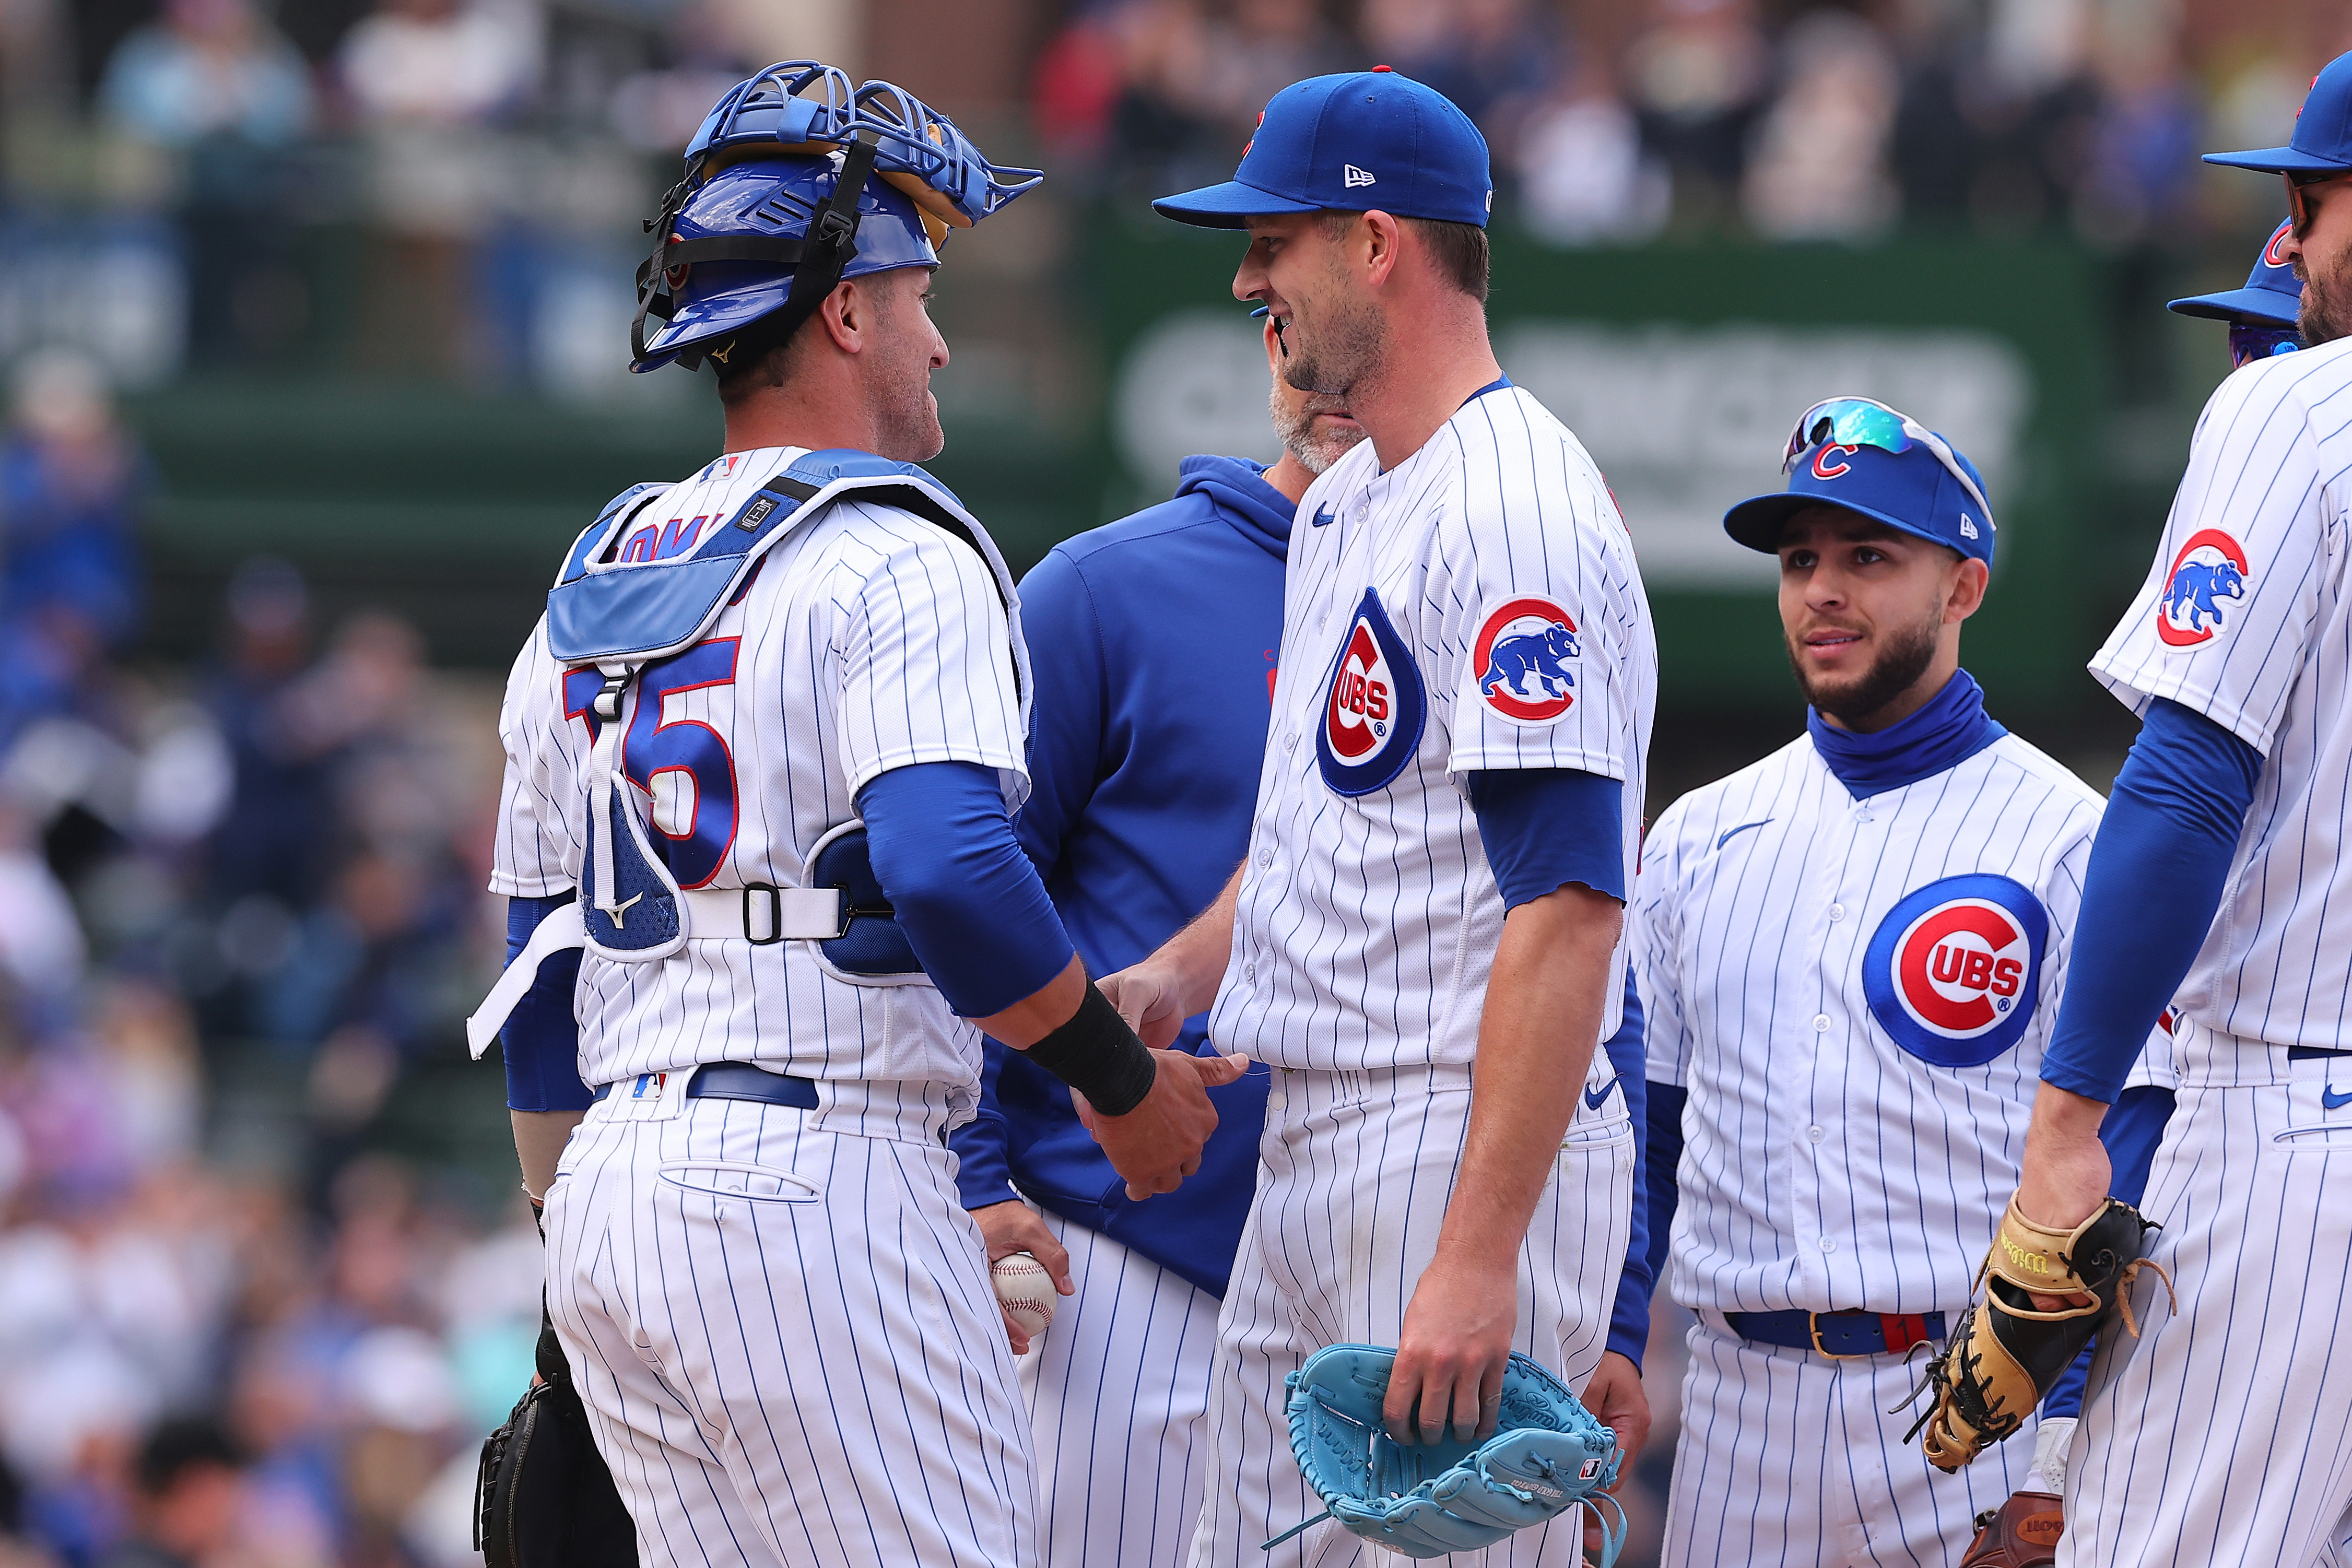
(1294, 422)
(1903, 657)
(2325, 313)
(1343, 352)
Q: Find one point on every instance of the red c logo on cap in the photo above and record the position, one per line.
(1821, 461)
(2271, 255)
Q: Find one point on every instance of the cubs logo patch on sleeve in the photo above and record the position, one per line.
(2207, 585)
(1522, 657)
(1373, 705)
(1952, 972)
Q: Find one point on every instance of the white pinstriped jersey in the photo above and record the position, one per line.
(2245, 618)
(1475, 607)
(868, 640)
(1856, 995)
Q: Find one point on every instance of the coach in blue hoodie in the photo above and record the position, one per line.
(1153, 642)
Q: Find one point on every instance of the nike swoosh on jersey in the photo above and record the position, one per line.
(2332, 1099)
(1322, 517)
(1731, 833)
(1594, 1097)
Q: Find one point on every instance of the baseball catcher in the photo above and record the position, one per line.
(1547, 1456)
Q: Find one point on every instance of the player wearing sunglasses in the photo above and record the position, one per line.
(2218, 874)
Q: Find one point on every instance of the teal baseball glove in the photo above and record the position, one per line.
(1547, 1455)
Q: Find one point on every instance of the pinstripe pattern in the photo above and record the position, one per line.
(1119, 1395)
(1790, 1460)
(870, 641)
(2271, 467)
(1358, 1169)
(786, 1342)
(1366, 925)
(2223, 1435)
(2251, 1381)
(1826, 1168)
(815, 1372)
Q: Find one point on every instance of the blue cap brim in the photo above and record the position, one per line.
(1226, 207)
(1757, 522)
(2279, 160)
(2266, 307)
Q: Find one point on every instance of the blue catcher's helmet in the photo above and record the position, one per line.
(794, 183)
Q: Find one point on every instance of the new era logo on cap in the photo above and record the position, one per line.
(1355, 176)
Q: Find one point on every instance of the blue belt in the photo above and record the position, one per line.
(729, 1081)
(2312, 1052)
(1839, 1335)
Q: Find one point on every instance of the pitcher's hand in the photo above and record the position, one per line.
(1450, 1356)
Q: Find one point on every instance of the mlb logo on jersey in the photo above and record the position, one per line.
(1952, 971)
(1522, 657)
(2208, 579)
(1373, 705)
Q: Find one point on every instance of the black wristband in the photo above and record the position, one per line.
(1097, 1055)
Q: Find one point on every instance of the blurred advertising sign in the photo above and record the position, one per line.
(1683, 420)
(110, 287)
(1681, 366)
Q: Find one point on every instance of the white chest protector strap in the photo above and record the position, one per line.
(620, 616)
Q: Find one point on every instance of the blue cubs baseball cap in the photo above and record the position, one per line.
(2271, 297)
(2321, 143)
(1912, 490)
(1357, 142)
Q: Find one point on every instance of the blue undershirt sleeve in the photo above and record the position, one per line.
(2131, 1132)
(1662, 1154)
(984, 1165)
(2155, 881)
(1629, 1320)
(1546, 827)
(942, 847)
(541, 1041)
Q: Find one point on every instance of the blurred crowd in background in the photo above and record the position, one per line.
(379, 184)
(253, 1308)
(241, 906)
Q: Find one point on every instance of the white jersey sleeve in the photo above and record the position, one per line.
(1540, 612)
(2225, 619)
(541, 823)
(924, 642)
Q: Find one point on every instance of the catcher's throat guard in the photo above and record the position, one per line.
(1548, 1455)
(2008, 1353)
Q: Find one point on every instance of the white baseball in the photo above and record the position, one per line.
(1025, 1289)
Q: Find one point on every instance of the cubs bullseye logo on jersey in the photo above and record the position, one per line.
(1373, 707)
(2206, 585)
(1952, 971)
(1522, 655)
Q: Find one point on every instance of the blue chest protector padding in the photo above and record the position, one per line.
(875, 942)
(620, 616)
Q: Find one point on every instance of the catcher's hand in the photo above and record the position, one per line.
(2021, 1533)
(2007, 1353)
(543, 1498)
(1419, 1499)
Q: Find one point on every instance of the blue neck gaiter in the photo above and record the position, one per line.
(1951, 728)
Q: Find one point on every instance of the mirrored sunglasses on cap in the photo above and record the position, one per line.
(2250, 341)
(1864, 422)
